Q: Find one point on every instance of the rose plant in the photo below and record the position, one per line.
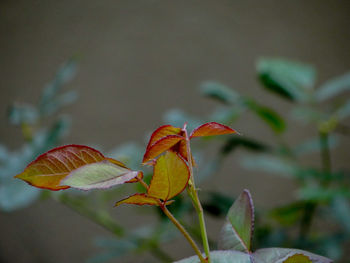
(169, 153)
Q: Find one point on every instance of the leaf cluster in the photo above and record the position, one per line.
(321, 187)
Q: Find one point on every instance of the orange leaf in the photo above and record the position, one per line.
(76, 166)
(170, 176)
(161, 146)
(161, 132)
(210, 129)
(139, 199)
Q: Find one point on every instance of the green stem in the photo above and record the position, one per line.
(178, 225)
(184, 232)
(103, 220)
(306, 220)
(325, 153)
(195, 200)
(310, 206)
(142, 182)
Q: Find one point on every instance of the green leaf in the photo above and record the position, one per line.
(313, 145)
(341, 210)
(238, 229)
(279, 255)
(308, 115)
(219, 92)
(270, 164)
(343, 111)
(227, 115)
(221, 257)
(59, 102)
(291, 80)
(244, 142)
(333, 87)
(50, 101)
(289, 214)
(266, 255)
(271, 117)
(298, 258)
(15, 194)
(321, 194)
(22, 113)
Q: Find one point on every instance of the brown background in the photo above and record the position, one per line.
(139, 59)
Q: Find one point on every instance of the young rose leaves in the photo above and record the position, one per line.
(162, 139)
(161, 146)
(161, 132)
(168, 137)
(75, 166)
(211, 129)
(170, 178)
(238, 229)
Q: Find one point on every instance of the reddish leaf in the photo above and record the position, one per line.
(51, 168)
(210, 129)
(170, 176)
(161, 146)
(161, 132)
(139, 199)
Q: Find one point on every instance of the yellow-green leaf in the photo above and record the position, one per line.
(139, 199)
(298, 258)
(170, 176)
(101, 175)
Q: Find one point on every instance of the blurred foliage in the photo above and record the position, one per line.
(323, 192)
(322, 196)
(42, 129)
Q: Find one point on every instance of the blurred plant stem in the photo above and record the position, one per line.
(325, 153)
(311, 206)
(103, 219)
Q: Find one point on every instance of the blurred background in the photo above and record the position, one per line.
(136, 61)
